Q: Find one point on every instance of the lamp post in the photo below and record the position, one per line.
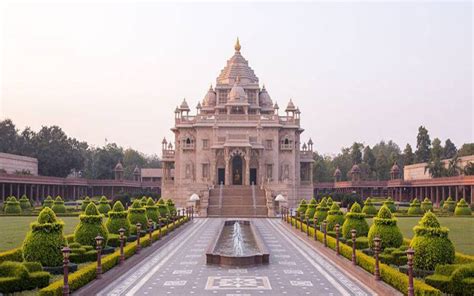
(410, 255)
(307, 226)
(66, 251)
(98, 241)
(337, 238)
(353, 236)
(325, 233)
(166, 224)
(315, 222)
(139, 229)
(122, 240)
(159, 228)
(377, 241)
(150, 230)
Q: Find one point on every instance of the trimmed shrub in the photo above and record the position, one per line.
(455, 279)
(390, 204)
(329, 202)
(25, 203)
(143, 201)
(431, 243)
(48, 202)
(118, 219)
(302, 208)
(385, 226)
(12, 255)
(321, 211)
(171, 207)
(362, 242)
(310, 209)
(85, 203)
(104, 206)
(44, 241)
(12, 206)
(355, 219)
(137, 214)
(426, 205)
(462, 209)
(58, 206)
(152, 210)
(335, 216)
(369, 208)
(449, 205)
(90, 226)
(16, 277)
(415, 208)
(163, 210)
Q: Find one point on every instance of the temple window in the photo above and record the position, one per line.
(286, 144)
(205, 144)
(223, 95)
(252, 96)
(188, 143)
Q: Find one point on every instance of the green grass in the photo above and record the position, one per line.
(14, 229)
(461, 230)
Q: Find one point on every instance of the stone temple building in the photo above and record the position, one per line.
(237, 138)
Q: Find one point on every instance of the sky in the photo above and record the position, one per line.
(358, 71)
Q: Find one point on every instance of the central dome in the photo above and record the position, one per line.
(237, 66)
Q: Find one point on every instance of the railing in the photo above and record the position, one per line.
(221, 187)
(210, 118)
(254, 200)
(168, 154)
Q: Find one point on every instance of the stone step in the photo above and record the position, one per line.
(237, 210)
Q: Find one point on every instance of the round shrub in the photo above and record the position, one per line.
(426, 205)
(390, 204)
(385, 227)
(335, 216)
(90, 226)
(310, 209)
(355, 219)
(12, 206)
(152, 210)
(25, 203)
(137, 214)
(462, 209)
(431, 244)
(104, 206)
(321, 211)
(171, 207)
(85, 203)
(369, 208)
(118, 219)
(48, 202)
(163, 210)
(58, 206)
(449, 205)
(44, 241)
(415, 208)
(302, 208)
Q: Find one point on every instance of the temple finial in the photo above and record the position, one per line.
(237, 45)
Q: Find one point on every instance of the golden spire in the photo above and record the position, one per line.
(237, 45)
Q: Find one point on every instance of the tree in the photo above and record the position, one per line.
(408, 157)
(323, 168)
(435, 166)
(423, 143)
(450, 149)
(356, 155)
(453, 167)
(466, 149)
(131, 159)
(385, 156)
(102, 161)
(369, 162)
(469, 169)
(9, 136)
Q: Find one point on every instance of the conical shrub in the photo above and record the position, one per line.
(462, 209)
(426, 205)
(48, 202)
(163, 209)
(45, 239)
(321, 211)
(58, 206)
(85, 203)
(152, 210)
(335, 216)
(118, 219)
(385, 226)
(137, 214)
(329, 202)
(143, 201)
(171, 207)
(310, 209)
(449, 205)
(302, 208)
(390, 204)
(431, 244)
(104, 206)
(369, 208)
(415, 208)
(355, 219)
(91, 224)
(25, 203)
(12, 206)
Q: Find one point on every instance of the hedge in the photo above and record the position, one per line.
(87, 273)
(16, 277)
(11, 255)
(457, 279)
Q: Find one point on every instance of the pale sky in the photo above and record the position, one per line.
(358, 71)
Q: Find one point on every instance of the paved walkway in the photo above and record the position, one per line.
(179, 268)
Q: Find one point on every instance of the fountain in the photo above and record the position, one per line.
(237, 244)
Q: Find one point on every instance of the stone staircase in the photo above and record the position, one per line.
(237, 201)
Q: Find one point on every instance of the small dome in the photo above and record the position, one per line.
(276, 106)
(304, 146)
(237, 93)
(136, 171)
(164, 141)
(310, 142)
(210, 98)
(119, 166)
(355, 169)
(198, 106)
(184, 106)
(291, 106)
(395, 168)
(264, 98)
(337, 172)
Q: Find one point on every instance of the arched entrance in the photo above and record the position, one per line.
(237, 170)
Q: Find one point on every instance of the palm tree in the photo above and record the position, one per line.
(453, 167)
(469, 169)
(436, 168)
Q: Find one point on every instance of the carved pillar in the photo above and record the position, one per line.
(247, 168)
(227, 180)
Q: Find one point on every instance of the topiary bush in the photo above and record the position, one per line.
(118, 219)
(355, 219)
(321, 211)
(25, 203)
(302, 208)
(415, 208)
(85, 203)
(462, 209)
(104, 206)
(390, 204)
(369, 208)
(426, 205)
(329, 202)
(58, 206)
(163, 210)
(12, 206)
(137, 214)
(385, 227)
(335, 216)
(17, 277)
(310, 209)
(91, 224)
(449, 205)
(152, 210)
(48, 202)
(143, 201)
(431, 244)
(171, 207)
(44, 241)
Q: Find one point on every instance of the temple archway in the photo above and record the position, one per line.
(237, 170)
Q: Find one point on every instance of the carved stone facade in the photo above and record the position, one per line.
(237, 138)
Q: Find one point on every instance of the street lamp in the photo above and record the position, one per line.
(325, 233)
(353, 236)
(337, 238)
(410, 255)
(139, 228)
(377, 242)
(66, 252)
(150, 228)
(122, 240)
(98, 242)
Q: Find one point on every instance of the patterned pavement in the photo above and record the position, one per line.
(179, 268)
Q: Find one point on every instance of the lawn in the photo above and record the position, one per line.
(15, 228)
(461, 230)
